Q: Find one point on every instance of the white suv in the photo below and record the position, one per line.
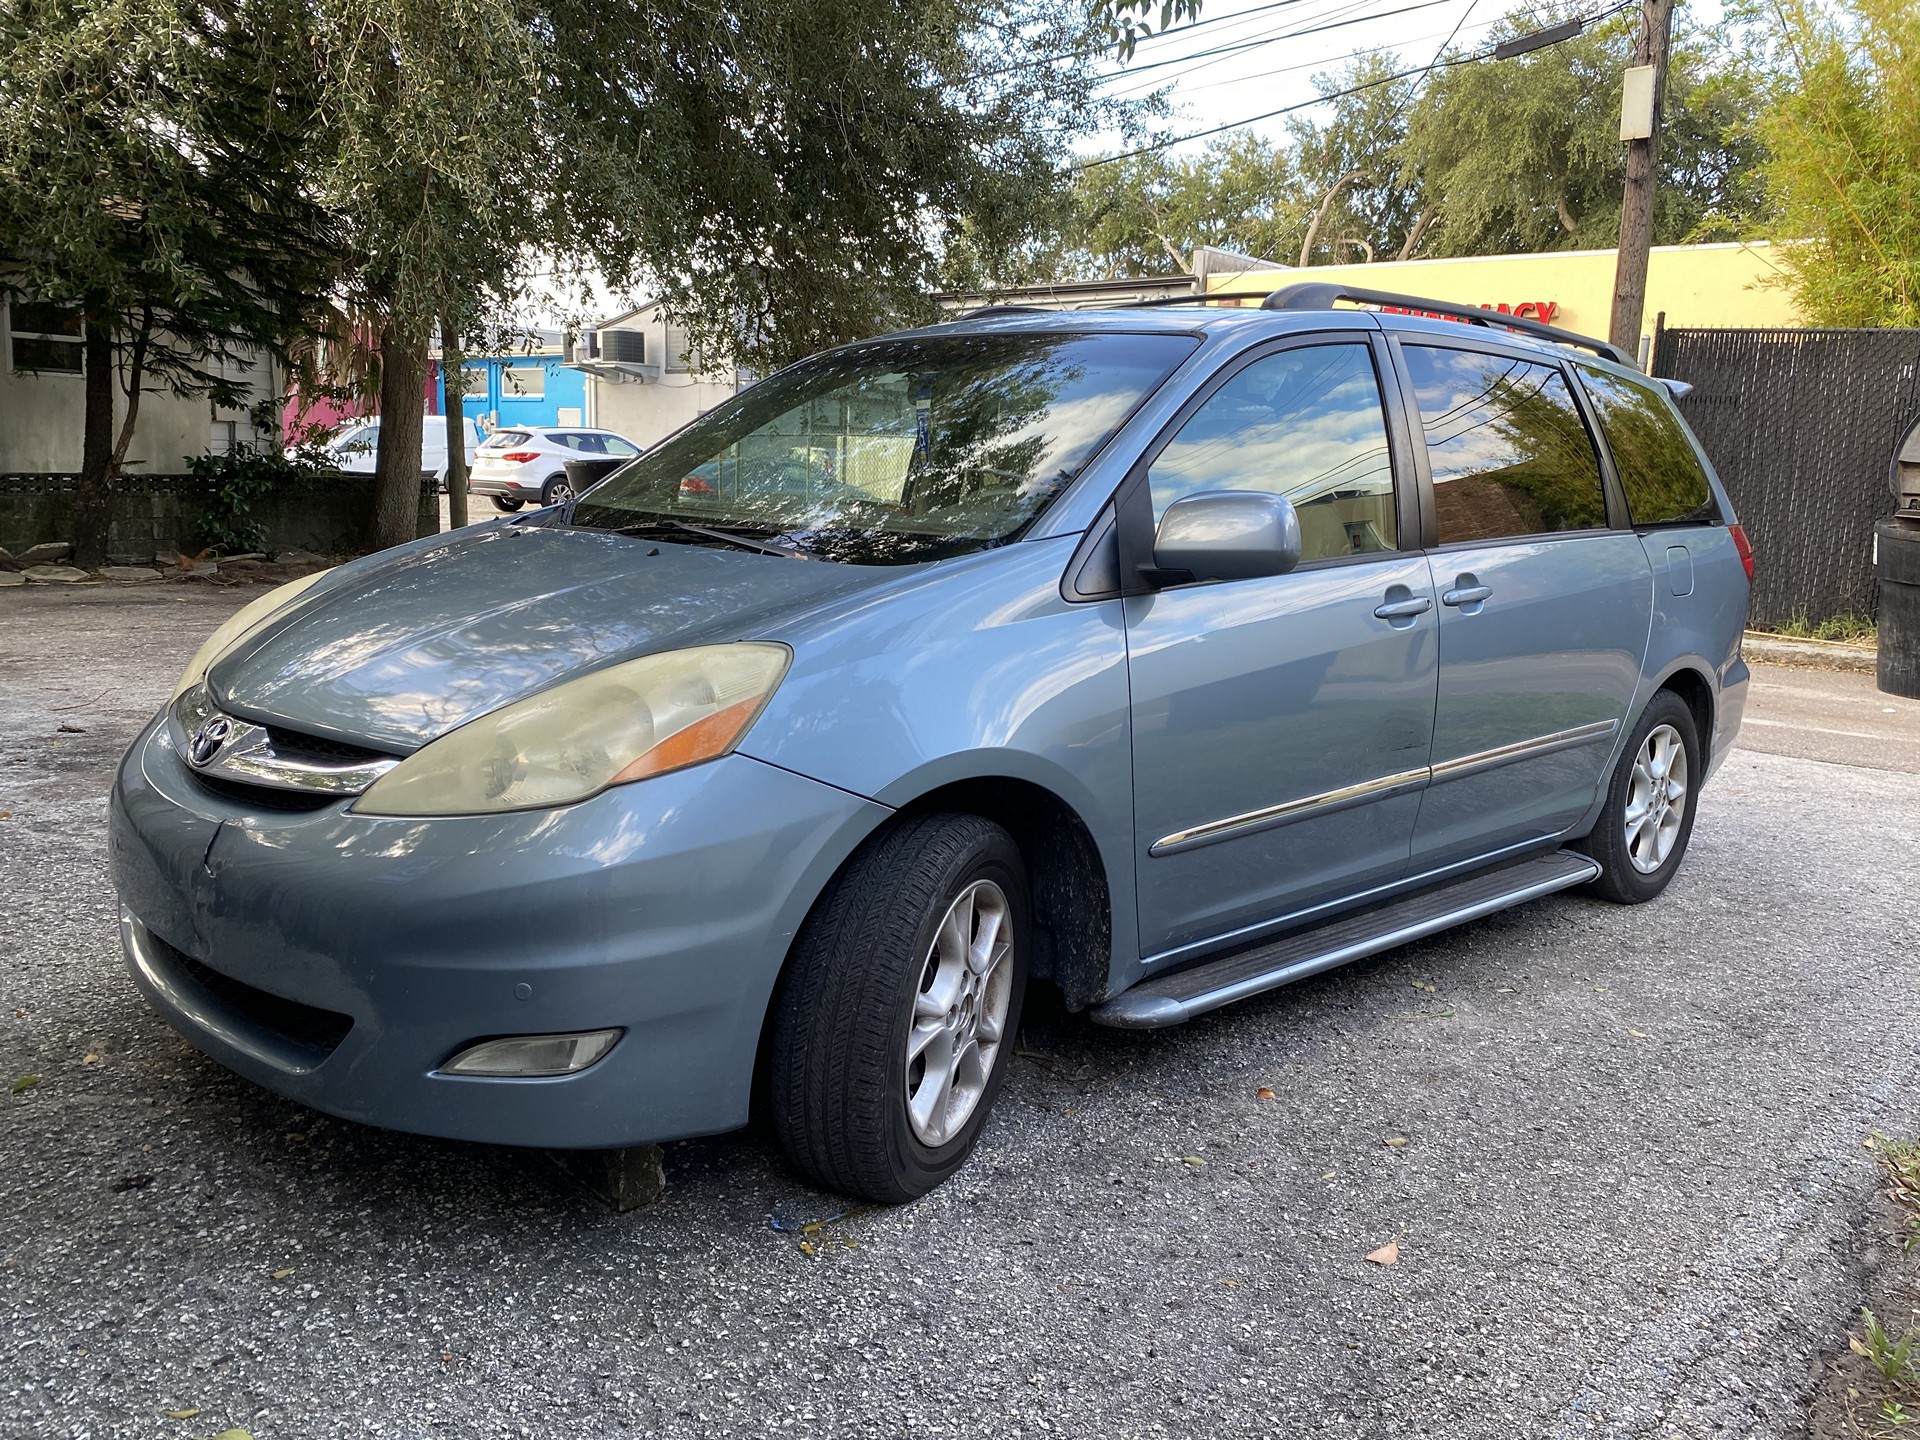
(522, 464)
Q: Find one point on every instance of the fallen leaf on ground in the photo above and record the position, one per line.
(1423, 985)
(1265, 1092)
(282, 1274)
(1394, 1142)
(1330, 1174)
(234, 1434)
(181, 1414)
(806, 1247)
(1193, 1160)
(1855, 1346)
(89, 1059)
(1638, 1034)
(25, 1083)
(1387, 1254)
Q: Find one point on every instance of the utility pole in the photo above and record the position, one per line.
(1641, 108)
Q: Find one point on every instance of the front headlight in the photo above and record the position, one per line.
(243, 621)
(624, 723)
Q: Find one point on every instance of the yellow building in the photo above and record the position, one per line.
(1695, 285)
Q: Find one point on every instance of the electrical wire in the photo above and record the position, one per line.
(1364, 86)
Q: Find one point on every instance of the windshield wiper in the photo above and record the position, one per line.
(726, 537)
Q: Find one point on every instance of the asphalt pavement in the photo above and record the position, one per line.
(1628, 1201)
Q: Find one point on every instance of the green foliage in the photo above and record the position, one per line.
(1365, 137)
(239, 479)
(149, 176)
(1845, 629)
(1844, 129)
(1524, 154)
(1146, 215)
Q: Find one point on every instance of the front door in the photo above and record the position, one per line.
(1281, 726)
(1544, 607)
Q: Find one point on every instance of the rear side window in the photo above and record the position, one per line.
(1659, 470)
(1511, 455)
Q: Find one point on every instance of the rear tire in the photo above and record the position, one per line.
(502, 502)
(556, 490)
(895, 1020)
(1642, 833)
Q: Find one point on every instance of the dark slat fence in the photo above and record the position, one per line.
(1801, 425)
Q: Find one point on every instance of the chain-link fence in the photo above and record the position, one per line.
(1801, 425)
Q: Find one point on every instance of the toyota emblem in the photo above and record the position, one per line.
(208, 739)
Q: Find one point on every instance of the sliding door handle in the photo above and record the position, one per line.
(1467, 595)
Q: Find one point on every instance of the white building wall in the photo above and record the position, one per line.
(42, 415)
(648, 409)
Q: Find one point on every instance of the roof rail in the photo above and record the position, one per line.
(1320, 295)
(975, 314)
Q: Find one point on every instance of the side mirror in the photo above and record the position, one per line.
(1228, 535)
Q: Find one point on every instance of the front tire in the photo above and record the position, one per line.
(507, 503)
(1642, 833)
(894, 1023)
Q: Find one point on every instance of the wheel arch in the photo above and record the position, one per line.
(1688, 679)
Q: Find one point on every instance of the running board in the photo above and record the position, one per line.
(1170, 999)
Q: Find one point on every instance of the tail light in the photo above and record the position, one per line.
(520, 457)
(1745, 548)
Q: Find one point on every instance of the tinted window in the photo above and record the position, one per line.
(892, 452)
(1307, 424)
(1659, 470)
(1510, 453)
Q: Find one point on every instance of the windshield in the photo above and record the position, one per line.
(892, 452)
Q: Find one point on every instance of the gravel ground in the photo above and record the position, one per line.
(1626, 1203)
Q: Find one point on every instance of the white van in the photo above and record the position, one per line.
(356, 444)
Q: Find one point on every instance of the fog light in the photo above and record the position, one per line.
(524, 1056)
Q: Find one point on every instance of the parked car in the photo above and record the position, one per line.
(355, 445)
(1166, 655)
(530, 463)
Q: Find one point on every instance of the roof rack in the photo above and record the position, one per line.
(1311, 295)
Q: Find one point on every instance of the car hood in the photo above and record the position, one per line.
(403, 647)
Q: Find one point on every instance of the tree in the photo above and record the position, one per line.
(1844, 128)
(1524, 154)
(148, 182)
(1147, 214)
(1366, 202)
(780, 173)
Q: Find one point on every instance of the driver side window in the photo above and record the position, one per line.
(1307, 423)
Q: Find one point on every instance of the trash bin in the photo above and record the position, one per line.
(582, 473)
(1896, 555)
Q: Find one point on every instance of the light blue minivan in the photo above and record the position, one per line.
(1164, 654)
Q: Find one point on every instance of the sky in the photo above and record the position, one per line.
(1264, 58)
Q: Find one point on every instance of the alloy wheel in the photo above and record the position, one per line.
(1656, 799)
(959, 1013)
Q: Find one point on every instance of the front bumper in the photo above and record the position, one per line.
(340, 959)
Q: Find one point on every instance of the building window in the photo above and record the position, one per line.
(473, 382)
(523, 382)
(682, 355)
(46, 337)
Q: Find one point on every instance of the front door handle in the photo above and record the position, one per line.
(1466, 595)
(1403, 609)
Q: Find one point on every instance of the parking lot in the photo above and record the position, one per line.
(1620, 1150)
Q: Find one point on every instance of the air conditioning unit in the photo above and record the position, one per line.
(626, 345)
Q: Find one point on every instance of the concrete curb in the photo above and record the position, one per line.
(1808, 654)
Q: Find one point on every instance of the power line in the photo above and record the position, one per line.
(1040, 60)
(1295, 34)
(1374, 84)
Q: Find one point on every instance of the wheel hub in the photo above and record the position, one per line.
(959, 1014)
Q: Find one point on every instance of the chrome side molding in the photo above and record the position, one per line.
(1366, 791)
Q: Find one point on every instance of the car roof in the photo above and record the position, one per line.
(1223, 320)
